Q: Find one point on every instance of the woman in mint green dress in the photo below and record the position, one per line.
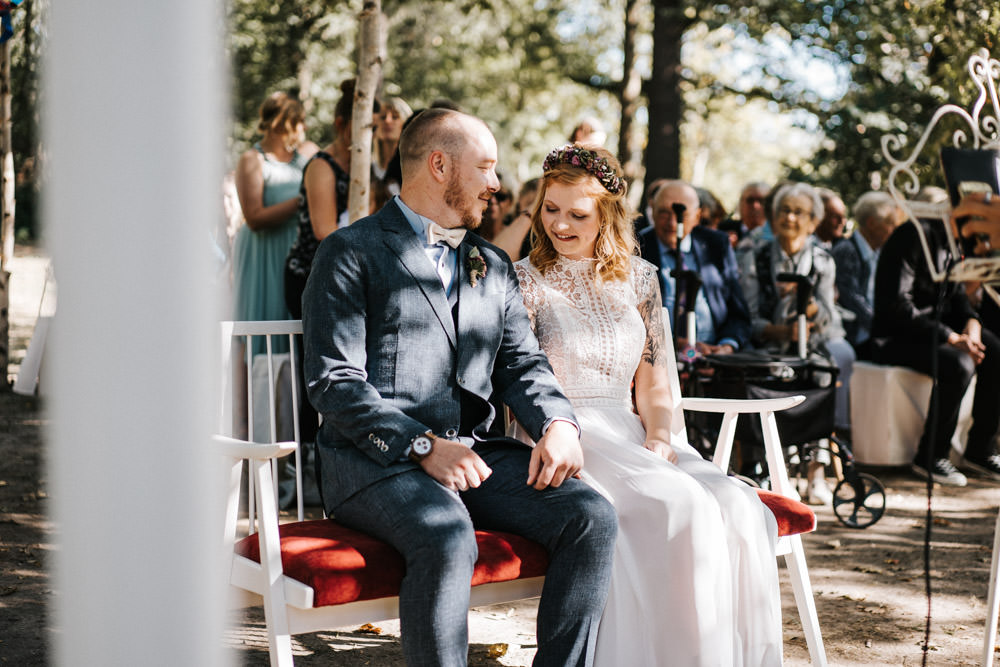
(268, 177)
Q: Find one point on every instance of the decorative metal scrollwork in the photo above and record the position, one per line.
(979, 129)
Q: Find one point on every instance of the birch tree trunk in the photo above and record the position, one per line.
(369, 75)
(6, 209)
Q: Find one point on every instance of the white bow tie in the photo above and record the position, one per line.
(437, 233)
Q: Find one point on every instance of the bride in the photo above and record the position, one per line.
(695, 580)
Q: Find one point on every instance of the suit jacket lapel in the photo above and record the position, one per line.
(406, 246)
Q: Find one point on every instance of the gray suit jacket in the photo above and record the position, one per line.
(385, 361)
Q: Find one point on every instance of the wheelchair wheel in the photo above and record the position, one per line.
(859, 502)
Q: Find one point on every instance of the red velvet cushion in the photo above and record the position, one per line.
(343, 565)
(793, 517)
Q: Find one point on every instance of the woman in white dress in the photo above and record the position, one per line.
(695, 580)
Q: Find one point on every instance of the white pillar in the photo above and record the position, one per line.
(133, 130)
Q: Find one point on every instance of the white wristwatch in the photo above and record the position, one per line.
(421, 446)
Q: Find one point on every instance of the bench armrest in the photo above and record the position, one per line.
(741, 406)
(244, 449)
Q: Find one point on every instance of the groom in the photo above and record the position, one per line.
(410, 326)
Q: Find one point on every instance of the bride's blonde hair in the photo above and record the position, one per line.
(574, 165)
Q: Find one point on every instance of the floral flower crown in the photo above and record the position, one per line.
(588, 160)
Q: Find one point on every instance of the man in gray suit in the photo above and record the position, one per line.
(411, 326)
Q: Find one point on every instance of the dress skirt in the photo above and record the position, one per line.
(695, 579)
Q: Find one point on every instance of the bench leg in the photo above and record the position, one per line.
(795, 561)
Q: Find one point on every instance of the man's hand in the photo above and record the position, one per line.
(662, 448)
(705, 348)
(969, 345)
(557, 456)
(455, 466)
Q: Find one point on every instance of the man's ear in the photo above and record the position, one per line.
(438, 165)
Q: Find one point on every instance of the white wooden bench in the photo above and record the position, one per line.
(315, 575)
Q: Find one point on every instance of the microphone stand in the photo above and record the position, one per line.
(803, 292)
(690, 282)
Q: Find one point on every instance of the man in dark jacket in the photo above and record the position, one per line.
(905, 333)
(721, 311)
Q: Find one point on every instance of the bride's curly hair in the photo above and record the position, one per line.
(616, 242)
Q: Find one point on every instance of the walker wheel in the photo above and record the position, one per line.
(859, 502)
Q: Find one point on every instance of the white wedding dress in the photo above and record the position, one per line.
(695, 580)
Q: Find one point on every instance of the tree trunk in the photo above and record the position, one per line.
(369, 73)
(6, 208)
(666, 104)
(628, 95)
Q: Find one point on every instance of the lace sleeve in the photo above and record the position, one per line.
(650, 306)
(529, 290)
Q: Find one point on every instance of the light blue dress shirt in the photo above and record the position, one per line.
(702, 312)
(441, 255)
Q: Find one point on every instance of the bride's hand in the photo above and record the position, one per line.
(662, 448)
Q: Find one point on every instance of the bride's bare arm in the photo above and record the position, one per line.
(652, 385)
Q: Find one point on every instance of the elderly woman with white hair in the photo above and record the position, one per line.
(796, 210)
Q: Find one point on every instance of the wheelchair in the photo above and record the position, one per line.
(858, 498)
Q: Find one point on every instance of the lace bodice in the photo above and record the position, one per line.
(593, 334)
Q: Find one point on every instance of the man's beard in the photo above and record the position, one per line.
(453, 200)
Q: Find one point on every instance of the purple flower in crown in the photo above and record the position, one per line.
(589, 160)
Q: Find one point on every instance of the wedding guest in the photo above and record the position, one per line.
(723, 321)
(267, 181)
(589, 131)
(514, 238)
(389, 120)
(322, 203)
(772, 304)
(856, 258)
(751, 206)
(695, 580)
(833, 225)
(711, 212)
(905, 332)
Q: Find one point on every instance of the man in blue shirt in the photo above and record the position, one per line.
(723, 320)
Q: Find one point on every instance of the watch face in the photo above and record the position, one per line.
(422, 446)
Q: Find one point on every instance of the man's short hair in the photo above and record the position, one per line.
(430, 130)
(874, 206)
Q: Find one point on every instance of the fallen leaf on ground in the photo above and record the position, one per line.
(496, 650)
(370, 629)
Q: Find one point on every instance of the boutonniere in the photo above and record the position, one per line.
(476, 266)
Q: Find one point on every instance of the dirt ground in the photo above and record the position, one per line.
(868, 584)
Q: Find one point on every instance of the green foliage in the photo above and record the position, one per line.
(901, 60)
(517, 64)
(26, 47)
